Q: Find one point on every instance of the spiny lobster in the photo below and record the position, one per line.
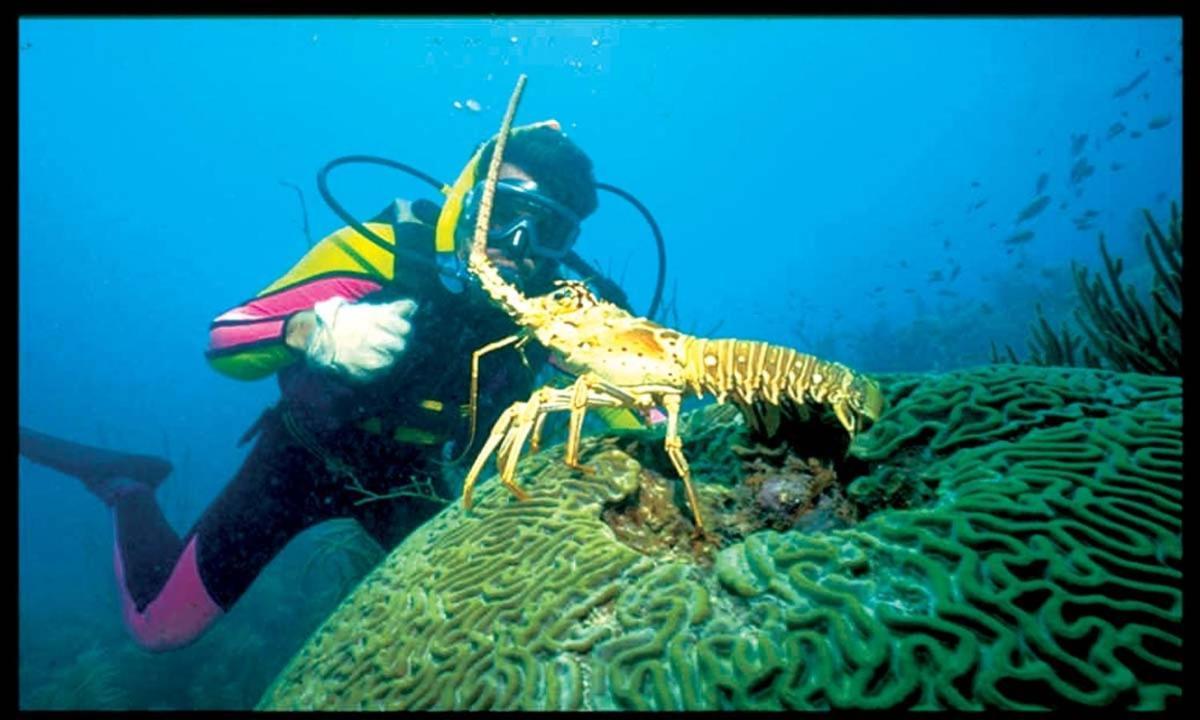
(620, 360)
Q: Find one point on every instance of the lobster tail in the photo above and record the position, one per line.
(750, 372)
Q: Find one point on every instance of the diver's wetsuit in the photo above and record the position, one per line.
(324, 435)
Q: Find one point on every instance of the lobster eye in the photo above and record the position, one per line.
(564, 294)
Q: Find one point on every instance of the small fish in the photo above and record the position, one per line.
(1020, 264)
(947, 292)
(877, 289)
(1078, 143)
(1020, 238)
(1146, 95)
(1137, 53)
(946, 244)
(1081, 171)
(1167, 58)
(1033, 208)
(1009, 251)
(1115, 129)
(1090, 213)
(909, 291)
(981, 203)
(954, 273)
(1161, 196)
(974, 183)
(1084, 227)
(991, 226)
(985, 309)
(1135, 134)
(1160, 121)
(1041, 183)
(935, 276)
(1062, 205)
(936, 223)
(1116, 166)
(1048, 273)
(1124, 113)
(903, 263)
(1039, 152)
(1125, 89)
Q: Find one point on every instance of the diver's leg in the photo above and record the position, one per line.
(147, 547)
(170, 598)
(106, 473)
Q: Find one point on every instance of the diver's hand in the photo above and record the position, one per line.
(358, 340)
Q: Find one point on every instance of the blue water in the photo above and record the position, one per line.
(808, 175)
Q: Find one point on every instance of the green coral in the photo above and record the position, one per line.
(1118, 324)
(1033, 562)
(1117, 329)
(1050, 348)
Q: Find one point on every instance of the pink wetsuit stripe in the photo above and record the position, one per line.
(224, 337)
(182, 611)
(301, 297)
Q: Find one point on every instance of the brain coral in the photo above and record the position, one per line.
(1018, 546)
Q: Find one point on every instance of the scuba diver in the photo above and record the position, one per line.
(370, 336)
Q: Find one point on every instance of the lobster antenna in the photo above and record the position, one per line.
(478, 256)
(479, 241)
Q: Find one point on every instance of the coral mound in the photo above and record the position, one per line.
(1014, 542)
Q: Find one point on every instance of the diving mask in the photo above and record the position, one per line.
(525, 223)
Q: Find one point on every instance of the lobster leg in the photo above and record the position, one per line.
(499, 432)
(529, 419)
(535, 438)
(524, 420)
(674, 447)
(847, 417)
(579, 404)
(474, 394)
(540, 403)
(570, 396)
(510, 432)
(589, 391)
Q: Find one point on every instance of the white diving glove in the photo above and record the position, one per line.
(359, 340)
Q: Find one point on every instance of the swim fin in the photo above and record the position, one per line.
(102, 471)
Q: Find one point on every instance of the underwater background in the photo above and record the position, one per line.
(866, 190)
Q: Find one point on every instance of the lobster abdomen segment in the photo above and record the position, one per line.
(748, 371)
